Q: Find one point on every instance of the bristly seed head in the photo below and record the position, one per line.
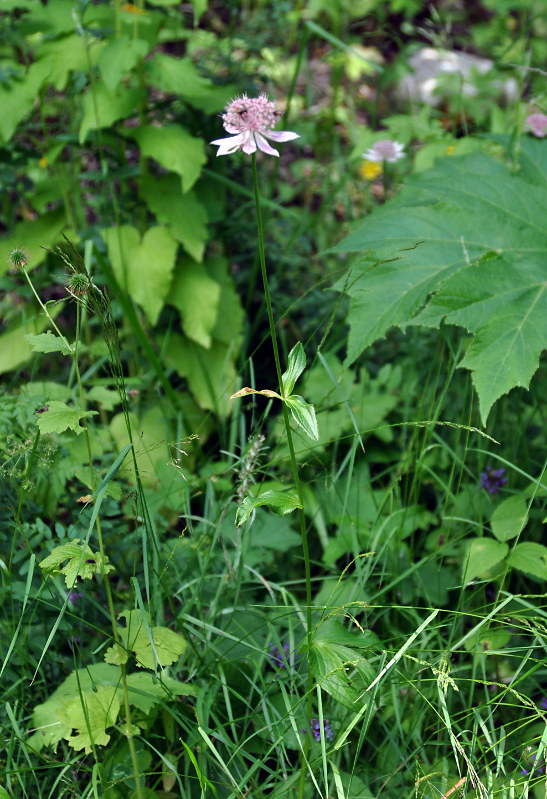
(19, 258)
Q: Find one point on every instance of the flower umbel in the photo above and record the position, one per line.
(251, 120)
(385, 150)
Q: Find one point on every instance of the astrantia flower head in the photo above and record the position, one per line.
(251, 120)
(384, 150)
(537, 124)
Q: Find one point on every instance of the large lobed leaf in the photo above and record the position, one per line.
(464, 242)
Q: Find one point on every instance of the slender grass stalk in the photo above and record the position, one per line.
(296, 476)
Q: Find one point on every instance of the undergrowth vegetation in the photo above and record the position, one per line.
(272, 435)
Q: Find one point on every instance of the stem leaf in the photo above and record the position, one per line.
(303, 414)
(295, 367)
(280, 502)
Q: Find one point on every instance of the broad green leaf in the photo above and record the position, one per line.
(168, 645)
(175, 149)
(118, 58)
(196, 296)
(183, 213)
(509, 518)
(466, 242)
(145, 690)
(101, 711)
(304, 415)
(341, 671)
(229, 325)
(530, 558)
(59, 417)
(17, 98)
(68, 54)
(82, 562)
(102, 108)
(210, 372)
(103, 396)
(332, 631)
(143, 267)
(15, 350)
(179, 76)
(295, 366)
(280, 502)
(483, 555)
(3, 793)
(48, 342)
(34, 236)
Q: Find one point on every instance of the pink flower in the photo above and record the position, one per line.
(252, 120)
(537, 124)
(385, 150)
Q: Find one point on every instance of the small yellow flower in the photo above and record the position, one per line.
(133, 9)
(43, 162)
(370, 170)
(450, 149)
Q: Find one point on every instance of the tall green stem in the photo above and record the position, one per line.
(296, 476)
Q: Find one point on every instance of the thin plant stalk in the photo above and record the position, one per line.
(296, 476)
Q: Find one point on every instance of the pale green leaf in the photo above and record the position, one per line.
(143, 267)
(118, 58)
(509, 518)
(167, 648)
(295, 366)
(15, 350)
(59, 417)
(103, 396)
(304, 415)
(82, 562)
(145, 690)
(180, 76)
(340, 671)
(35, 237)
(229, 325)
(483, 555)
(530, 558)
(183, 213)
(466, 242)
(175, 149)
(196, 296)
(210, 373)
(48, 342)
(18, 97)
(116, 655)
(101, 108)
(68, 54)
(101, 711)
(280, 502)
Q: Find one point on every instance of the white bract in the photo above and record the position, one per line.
(251, 120)
(385, 150)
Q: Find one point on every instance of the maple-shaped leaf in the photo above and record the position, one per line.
(60, 417)
(101, 707)
(465, 241)
(138, 636)
(82, 562)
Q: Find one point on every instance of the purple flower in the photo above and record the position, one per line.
(543, 703)
(281, 658)
(74, 596)
(251, 120)
(493, 480)
(316, 729)
(537, 124)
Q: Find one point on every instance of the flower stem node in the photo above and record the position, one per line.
(251, 121)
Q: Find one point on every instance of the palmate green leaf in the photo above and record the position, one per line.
(60, 417)
(196, 296)
(135, 637)
(180, 76)
(183, 213)
(465, 241)
(175, 149)
(82, 562)
(101, 708)
(102, 108)
(118, 58)
(143, 267)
